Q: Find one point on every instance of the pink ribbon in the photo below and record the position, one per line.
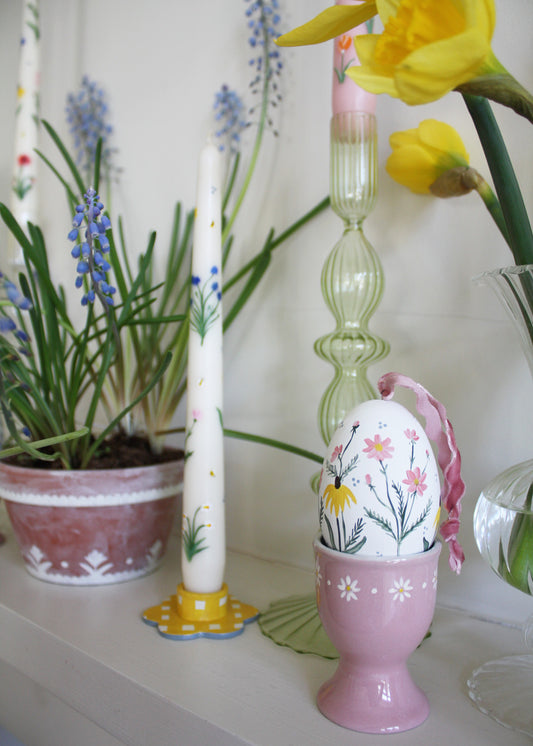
(439, 430)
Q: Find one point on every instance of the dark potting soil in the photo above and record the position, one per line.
(118, 452)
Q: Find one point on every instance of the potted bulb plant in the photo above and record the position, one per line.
(86, 408)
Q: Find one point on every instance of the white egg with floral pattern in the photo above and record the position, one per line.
(379, 492)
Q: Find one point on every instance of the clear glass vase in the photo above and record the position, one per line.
(503, 529)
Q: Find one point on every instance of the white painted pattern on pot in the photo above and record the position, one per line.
(89, 501)
(97, 568)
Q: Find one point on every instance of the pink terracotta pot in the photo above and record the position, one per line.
(376, 611)
(92, 527)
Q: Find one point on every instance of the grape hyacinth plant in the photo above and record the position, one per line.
(89, 249)
(122, 373)
(87, 114)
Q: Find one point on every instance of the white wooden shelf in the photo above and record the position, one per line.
(78, 666)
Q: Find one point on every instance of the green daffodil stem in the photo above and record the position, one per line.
(517, 568)
(504, 178)
(503, 89)
(493, 206)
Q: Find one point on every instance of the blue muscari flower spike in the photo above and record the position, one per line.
(264, 27)
(87, 113)
(228, 108)
(14, 297)
(92, 245)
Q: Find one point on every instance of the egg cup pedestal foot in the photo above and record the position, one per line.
(187, 615)
(376, 612)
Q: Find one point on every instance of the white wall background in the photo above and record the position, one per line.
(160, 63)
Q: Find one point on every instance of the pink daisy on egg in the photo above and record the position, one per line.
(336, 453)
(377, 448)
(415, 481)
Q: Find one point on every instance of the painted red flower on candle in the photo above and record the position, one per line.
(22, 184)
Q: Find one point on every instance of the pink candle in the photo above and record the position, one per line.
(347, 95)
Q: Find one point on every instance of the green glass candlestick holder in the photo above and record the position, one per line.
(352, 286)
(352, 277)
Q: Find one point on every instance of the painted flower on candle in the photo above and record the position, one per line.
(344, 44)
(205, 303)
(192, 543)
(22, 183)
(32, 21)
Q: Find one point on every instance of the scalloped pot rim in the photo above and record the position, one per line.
(89, 488)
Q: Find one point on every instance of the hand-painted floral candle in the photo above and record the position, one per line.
(24, 193)
(203, 530)
(347, 95)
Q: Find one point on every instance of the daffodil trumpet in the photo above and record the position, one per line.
(426, 50)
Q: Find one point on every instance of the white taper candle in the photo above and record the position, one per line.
(24, 190)
(203, 532)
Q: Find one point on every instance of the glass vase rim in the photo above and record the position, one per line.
(512, 269)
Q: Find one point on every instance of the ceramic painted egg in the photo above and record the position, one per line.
(379, 492)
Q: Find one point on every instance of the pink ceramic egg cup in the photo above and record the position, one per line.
(376, 611)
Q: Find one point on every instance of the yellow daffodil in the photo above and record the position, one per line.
(420, 156)
(427, 47)
(337, 498)
(432, 159)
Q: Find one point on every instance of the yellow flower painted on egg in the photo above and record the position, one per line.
(337, 497)
(420, 156)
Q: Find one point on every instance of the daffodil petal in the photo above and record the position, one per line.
(405, 137)
(482, 14)
(413, 167)
(387, 8)
(442, 136)
(372, 81)
(365, 46)
(433, 70)
(330, 23)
